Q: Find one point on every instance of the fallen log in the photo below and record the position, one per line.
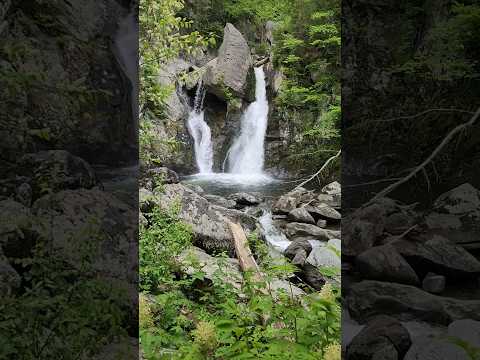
(244, 254)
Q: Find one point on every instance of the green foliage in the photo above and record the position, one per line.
(65, 310)
(307, 51)
(183, 320)
(159, 244)
(163, 36)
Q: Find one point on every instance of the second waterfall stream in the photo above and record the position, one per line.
(246, 155)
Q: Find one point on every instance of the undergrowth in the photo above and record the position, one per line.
(187, 317)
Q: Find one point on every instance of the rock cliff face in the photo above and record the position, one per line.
(52, 81)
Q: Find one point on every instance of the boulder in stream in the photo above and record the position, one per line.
(301, 215)
(296, 229)
(230, 71)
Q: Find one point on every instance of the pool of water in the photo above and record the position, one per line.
(225, 184)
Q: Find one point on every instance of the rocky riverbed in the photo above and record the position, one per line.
(411, 276)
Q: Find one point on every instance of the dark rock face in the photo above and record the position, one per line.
(382, 338)
(439, 255)
(385, 263)
(56, 170)
(298, 252)
(405, 302)
(80, 67)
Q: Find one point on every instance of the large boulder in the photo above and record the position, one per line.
(221, 201)
(324, 211)
(436, 349)
(324, 256)
(385, 263)
(334, 188)
(455, 215)
(301, 215)
(66, 218)
(296, 229)
(98, 128)
(439, 255)
(229, 73)
(466, 330)
(405, 302)
(209, 222)
(56, 170)
(298, 252)
(383, 338)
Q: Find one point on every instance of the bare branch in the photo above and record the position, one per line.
(319, 171)
(435, 152)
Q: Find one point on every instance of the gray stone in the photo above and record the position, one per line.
(459, 201)
(332, 188)
(208, 221)
(448, 258)
(324, 256)
(436, 350)
(245, 199)
(220, 201)
(398, 223)
(406, 303)
(298, 252)
(466, 330)
(359, 236)
(434, 283)
(296, 229)
(323, 211)
(301, 215)
(231, 68)
(385, 263)
(383, 337)
(321, 223)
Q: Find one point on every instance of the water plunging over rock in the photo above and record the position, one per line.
(246, 155)
(201, 133)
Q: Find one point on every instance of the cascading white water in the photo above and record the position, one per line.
(246, 156)
(274, 237)
(201, 133)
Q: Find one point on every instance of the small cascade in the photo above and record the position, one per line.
(246, 156)
(200, 131)
(274, 237)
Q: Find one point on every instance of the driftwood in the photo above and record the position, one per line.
(244, 254)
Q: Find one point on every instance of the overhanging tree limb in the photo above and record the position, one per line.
(435, 152)
(319, 171)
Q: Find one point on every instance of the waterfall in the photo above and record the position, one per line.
(247, 152)
(200, 131)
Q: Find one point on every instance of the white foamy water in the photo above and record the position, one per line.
(274, 237)
(202, 137)
(201, 133)
(246, 156)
